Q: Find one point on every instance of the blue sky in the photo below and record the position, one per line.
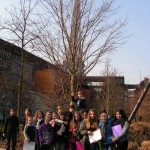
(132, 60)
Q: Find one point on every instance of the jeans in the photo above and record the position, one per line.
(108, 147)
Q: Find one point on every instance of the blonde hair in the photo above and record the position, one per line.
(59, 107)
(92, 123)
(36, 115)
(55, 114)
(74, 122)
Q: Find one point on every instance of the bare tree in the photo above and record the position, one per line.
(111, 92)
(18, 28)
(76, 34)
(71, 34)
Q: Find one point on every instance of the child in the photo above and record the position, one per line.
(30, 131)
(87, 127)
(48, 113)
(105, 124)
(69, 113)
(55, 115)
(38, 118)
(74, 134)
(121, 141)
(38, 121)
(11, 128)
(80, 101)
(59, 110)
(84, 115)
(45, 134)
(27, 113)
(61, 133)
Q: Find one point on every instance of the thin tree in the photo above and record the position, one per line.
(76, 34)
(112, 93)
(18, 28)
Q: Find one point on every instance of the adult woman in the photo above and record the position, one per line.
(87, 127)
(121, 140)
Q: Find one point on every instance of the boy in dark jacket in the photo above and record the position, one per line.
(11, 128)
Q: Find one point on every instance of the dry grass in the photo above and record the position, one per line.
(145, 145)
(20, 140)
(139, 136)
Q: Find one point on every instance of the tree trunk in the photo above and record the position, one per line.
(20, 85)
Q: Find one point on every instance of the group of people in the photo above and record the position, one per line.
(68, 130)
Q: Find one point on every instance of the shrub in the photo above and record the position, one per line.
(138, 133)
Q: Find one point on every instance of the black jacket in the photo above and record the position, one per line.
(80, 103)
(11, 125)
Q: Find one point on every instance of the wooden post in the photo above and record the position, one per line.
(138, 104)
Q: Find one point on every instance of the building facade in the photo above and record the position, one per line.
(10, 75)
(40, 84)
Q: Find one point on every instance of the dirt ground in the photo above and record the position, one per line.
(3, 143)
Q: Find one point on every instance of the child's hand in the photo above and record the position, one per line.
(59, 133)
(114, 139)
(52, 123)
(89, 133)
(26, 140)
(74, 132)
(72, 93)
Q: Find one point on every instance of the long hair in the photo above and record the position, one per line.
(36, 114)
(55, 115)
(29, 110)
(124, 117)
(26, 116)
(74, 122)
(92, 123)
